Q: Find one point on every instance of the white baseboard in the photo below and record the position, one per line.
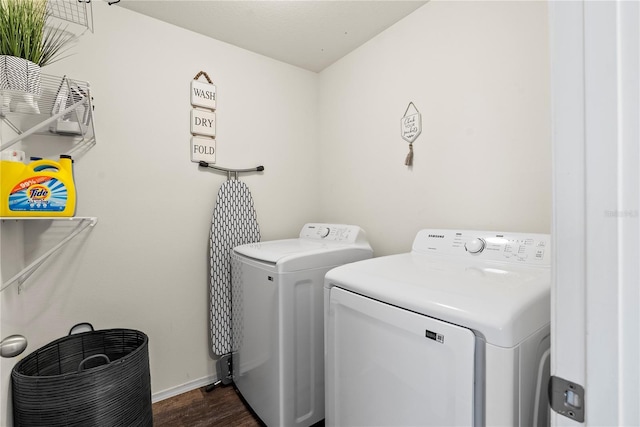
(183, 388)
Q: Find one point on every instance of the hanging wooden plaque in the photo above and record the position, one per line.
(203, 122)
(411, 123)
(410, 128)
(203, 95)
(203, 149)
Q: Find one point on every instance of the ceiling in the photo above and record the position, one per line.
(305, 33)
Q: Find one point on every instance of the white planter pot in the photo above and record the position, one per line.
(20, 84)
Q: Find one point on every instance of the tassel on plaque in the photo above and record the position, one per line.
(409, 159)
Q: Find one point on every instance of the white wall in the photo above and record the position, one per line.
(331, 146)
(145, 264)
(479, 74)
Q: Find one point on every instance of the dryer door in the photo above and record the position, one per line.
(387, 366)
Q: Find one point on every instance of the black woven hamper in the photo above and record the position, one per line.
(97, 378)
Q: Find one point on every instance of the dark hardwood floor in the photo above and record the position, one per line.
(198, 408)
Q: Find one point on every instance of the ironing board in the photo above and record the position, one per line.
(234, 223)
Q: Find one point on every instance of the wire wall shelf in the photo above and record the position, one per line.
(73, 11)
(81, 223)
(63, 108)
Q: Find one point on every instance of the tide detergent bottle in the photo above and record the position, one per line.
(40, 188)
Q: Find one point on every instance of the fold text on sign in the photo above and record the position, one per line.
(203, 150)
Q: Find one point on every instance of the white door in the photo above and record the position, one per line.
(596, 281)
(387, 366)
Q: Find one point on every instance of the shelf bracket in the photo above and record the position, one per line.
(26, 272)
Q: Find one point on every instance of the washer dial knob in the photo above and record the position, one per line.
(324, 231)
(475, 246)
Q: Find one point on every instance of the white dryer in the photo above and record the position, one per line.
(277, 292)
(454, 333)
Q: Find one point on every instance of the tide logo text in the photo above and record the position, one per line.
(38, 192)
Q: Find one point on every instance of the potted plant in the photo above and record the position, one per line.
(27, 43)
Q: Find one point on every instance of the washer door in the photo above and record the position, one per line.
(387, 366)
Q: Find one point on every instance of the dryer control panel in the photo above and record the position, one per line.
(333, 232)
(521, 248)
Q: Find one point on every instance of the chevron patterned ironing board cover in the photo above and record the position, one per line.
(234, 223)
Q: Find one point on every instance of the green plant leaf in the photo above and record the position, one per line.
(25, 32)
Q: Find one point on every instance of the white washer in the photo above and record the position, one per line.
(456, 332)
(278, 363)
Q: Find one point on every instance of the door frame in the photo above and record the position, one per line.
(595, 326)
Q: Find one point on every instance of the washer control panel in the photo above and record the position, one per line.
(524, 248)
(333, 232)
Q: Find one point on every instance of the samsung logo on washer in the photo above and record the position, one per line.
(437, 236)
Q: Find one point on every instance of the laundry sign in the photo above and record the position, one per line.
(203, 122)
(203, 95)
(411, 124)
(410, 129)
(203, 149)
(203, 119)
